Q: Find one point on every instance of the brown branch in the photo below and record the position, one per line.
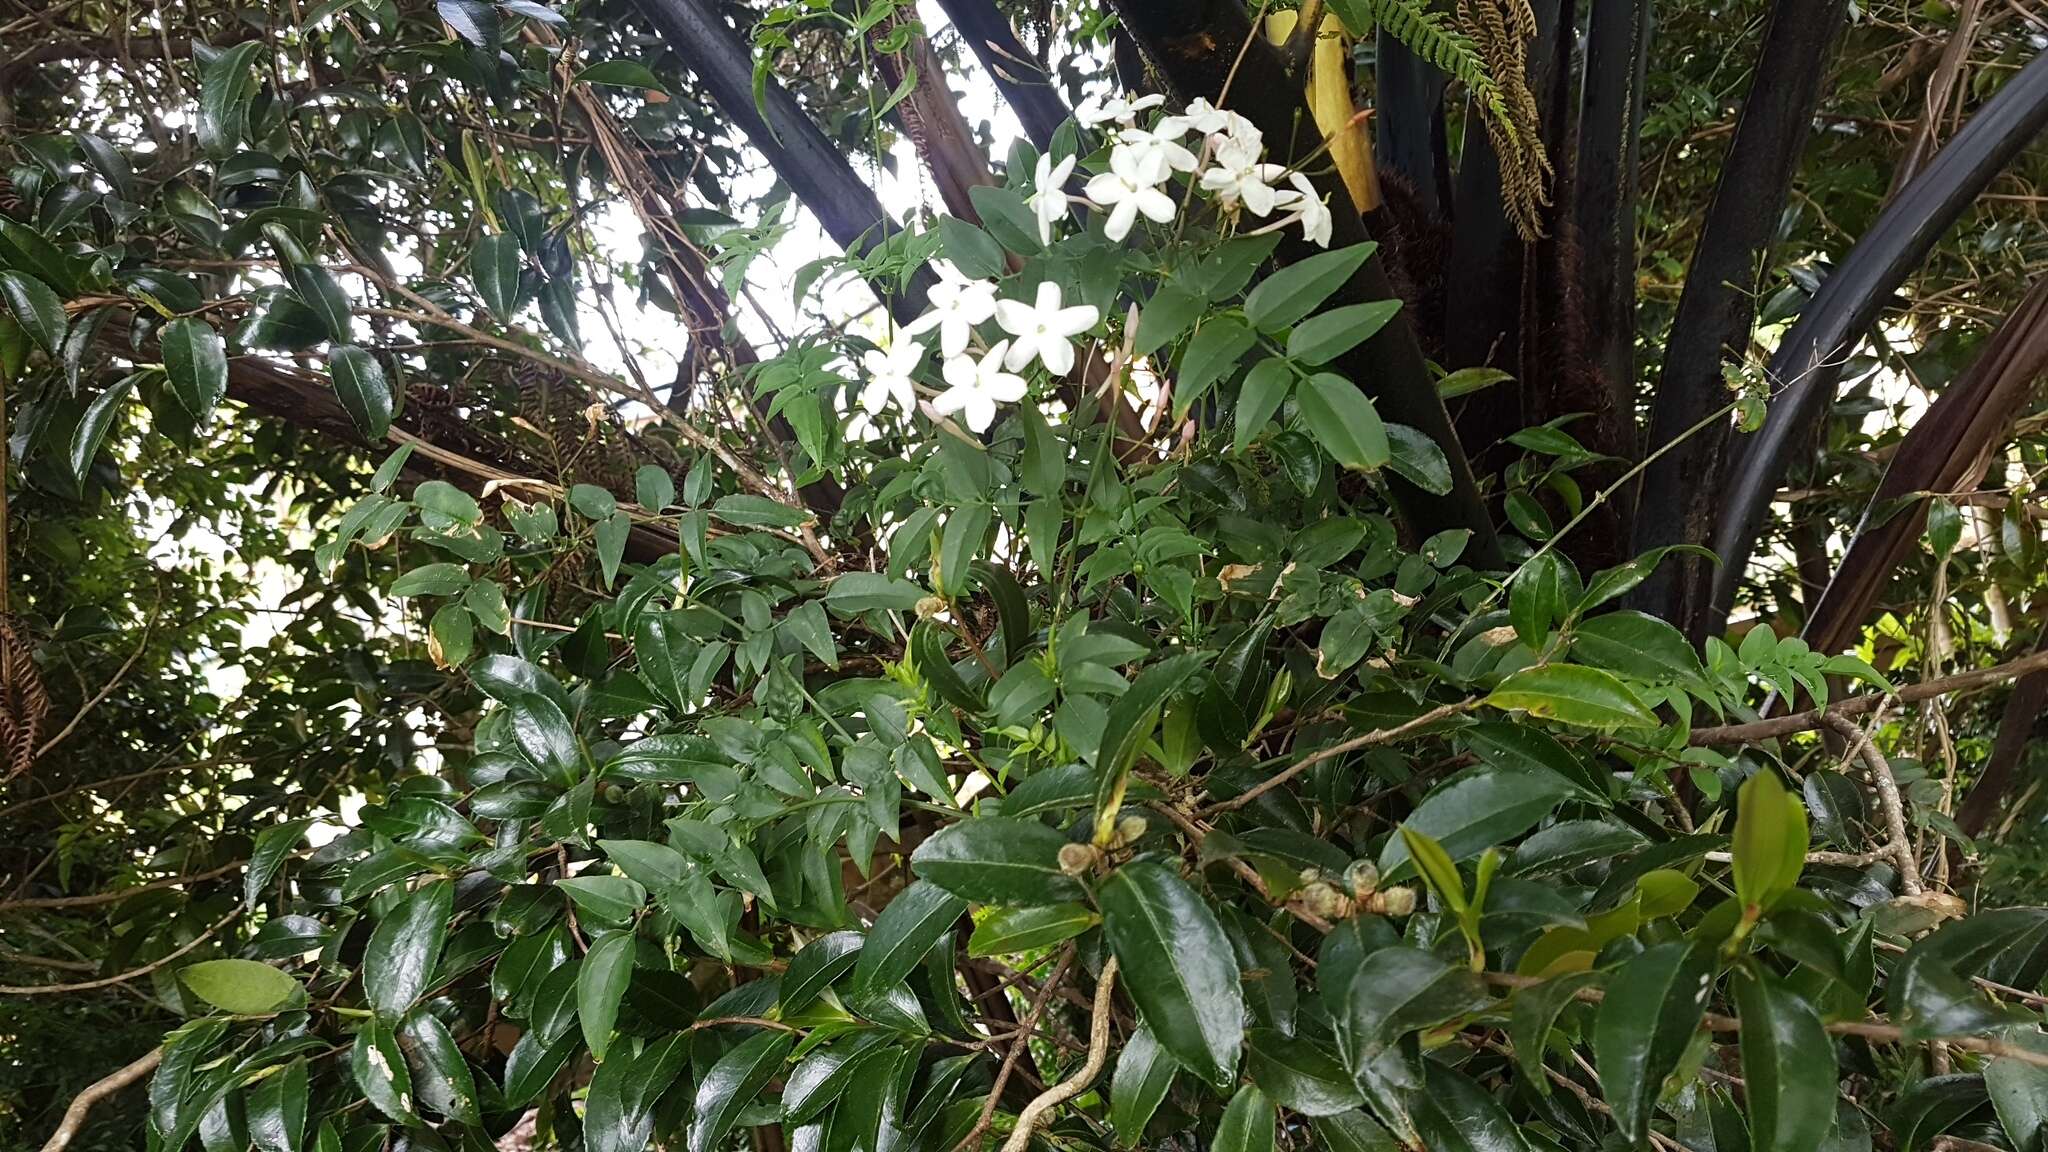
(1017, 1047)
(119, 894)
(1366, 740)
(108, 1085)
(1857, 705)
(1098, 1054)
(1888, 798)
(106, 689)
(119, 978)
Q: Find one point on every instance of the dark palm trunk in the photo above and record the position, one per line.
(1809, 362)
(1024, 84)
(1679, 491)
(1604, 194)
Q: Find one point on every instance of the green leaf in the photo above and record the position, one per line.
(242, 987)
(653, 487)
(1637, 645)
(1130, 723)
(1169, 313)
(1183, 971)
(1652, 1008)
(732, 1084)
(1300, 288)
(974, 252)
(547, 738)
(1397, 991)
(445, 1083)
(1476, 811)
(1524, 748)
(317, 288)
(1573, 694)
(494, 267)
(379, 1067)
(1536, 598)
(746, 510)
(1299, 1075)
(1930, 994)
(277, 1109)
(1265, 386)
(618, 1108)
(1788, 1066)
(610, 899)
(2019, 1090)
(1418, 459)
(820, 1079)
(902, 934)
(273, 847)
(612, 533)
(226, 89)
(1323, 338)
(1247, 1124)
(1534, 1013)
(816, 965)
(998, 861)
(867, 591)
(404, 948)
(95, 424)
(600, 984)
(197, 364)
(440, 579)
(960, 545)
(360, 386)
(1007, 931)
(37, 307)
(1343, 421)
(1216, 349)
(1144, 1073)
(453, 633)
(620, 74)
(1466, 381)
(1769, 846)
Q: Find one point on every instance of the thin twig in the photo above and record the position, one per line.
(107, 689)
(118, 894)
(1098, 1054)
(1017, 1046)
(1888, 799)
(82, 1104)
(1857, 705)
(1365, 740)
(121, 978)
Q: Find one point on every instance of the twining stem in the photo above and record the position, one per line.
(1888, 798)
(1098, 1054)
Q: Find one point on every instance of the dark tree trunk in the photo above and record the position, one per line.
(1679, 490)
(1604, 195)
(1408, 124)
(1025, 85)
(1192, 43)
(800, 153)
(1809, 361)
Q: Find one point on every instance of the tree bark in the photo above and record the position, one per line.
(1809, 360)
(1715, 311)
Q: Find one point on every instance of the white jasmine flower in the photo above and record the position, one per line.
(1239, 177)
(1044, 330)
(889, 375)
(1126, 190)
(1156, 154)
(1049, 194)
(957, 305)
(1094, 112)
(1211, 121)
(1310, 210)
(976, 388)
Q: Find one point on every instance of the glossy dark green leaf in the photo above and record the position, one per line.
(1652, 1008)
(815, 966)
(494, 268)
(360, 386)
(1524, 748)
(404, 947)
(1476, 811)
(1130, 723)
(276, 1109)
(902, 934)
(1636, 645)
(619, 1106)
(533, 1062)
(378, 1065)
(1005, 931)
(1265, 386)
(1184, 974)
(442, 1078)
(732, 1084)
(1453, 1114)
(620, 74)
(998, 861)
(1534, 1013)
(819, 1079)
(1144, 1073)
(226, 88)
(1934, 1105)
(1352, 1131)
(543, 732)
(1930, 994)
(611, 899)
(600, 984)
(197, 364)
(1396, 991)
(318, 290)
(1416, 458)
(1170, 311)
(1298, 1074)
(1788, 1066)
(1247, 1124)
(241, 987)
(2019, 1090)
(1576, 695)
